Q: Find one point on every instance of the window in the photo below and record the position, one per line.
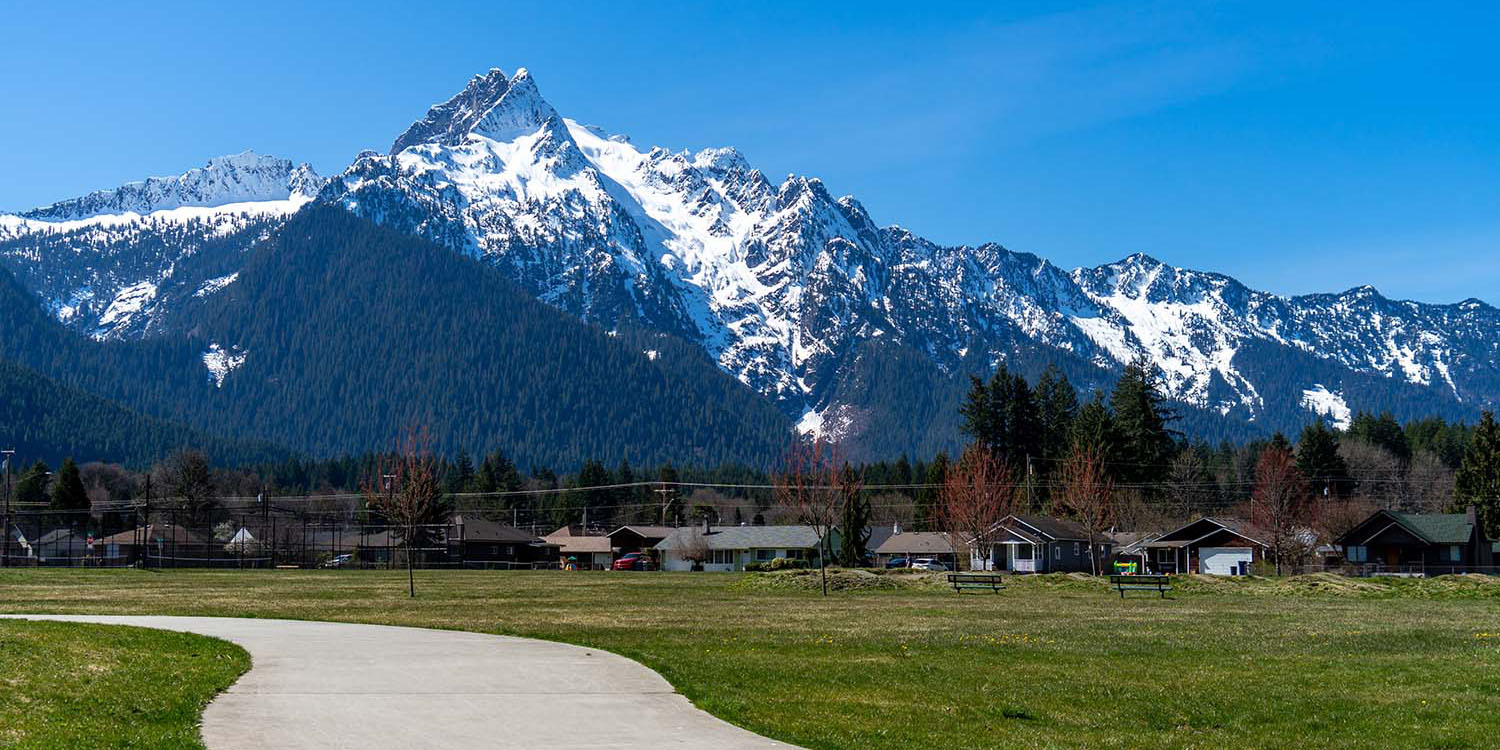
(1357, 553)
(1455, 553)
(1056, 552)
(1075, 549)
(723, 557)
(1023, 551)
(765, 555)
(795, 554)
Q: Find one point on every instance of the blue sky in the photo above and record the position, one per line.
(1297, 148)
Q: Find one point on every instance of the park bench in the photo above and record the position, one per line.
(961, 581)
(1160, 584)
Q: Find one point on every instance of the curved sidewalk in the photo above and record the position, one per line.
(363, 687)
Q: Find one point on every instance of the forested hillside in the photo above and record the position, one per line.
(339, 333)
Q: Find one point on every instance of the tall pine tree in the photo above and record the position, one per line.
(68, 493)
(1141, 417)
(1319, 461)
(1478, 481)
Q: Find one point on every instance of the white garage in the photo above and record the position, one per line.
(1225, 561)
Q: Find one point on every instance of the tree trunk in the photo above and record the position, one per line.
(411, 566)
(823, 566)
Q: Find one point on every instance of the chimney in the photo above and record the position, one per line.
(1472, 515)
(896, 528)
(706, 527)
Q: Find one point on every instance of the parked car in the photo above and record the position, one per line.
(633, 561)
(928, 563)
(339, 561)
(898, 562)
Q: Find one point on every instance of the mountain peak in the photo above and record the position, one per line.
(449, 122)
(236, 178)
(520, 110)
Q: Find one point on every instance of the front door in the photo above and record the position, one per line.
(1392, 556)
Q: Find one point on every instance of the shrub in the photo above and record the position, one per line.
(755, 567)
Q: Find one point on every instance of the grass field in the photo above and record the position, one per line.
(65, 686)
(900, 662)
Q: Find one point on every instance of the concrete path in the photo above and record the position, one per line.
(364, 687)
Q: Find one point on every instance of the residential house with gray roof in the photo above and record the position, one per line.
(729, 548)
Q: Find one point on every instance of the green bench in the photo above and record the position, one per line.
(961, 581)
(1160, 584)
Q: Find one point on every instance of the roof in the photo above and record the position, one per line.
(476, 529)
(60, 536)
(885, 541)
(1128, 542)
(1186, 535)
(1438, 528)
(649, 532)
(745, 537)
(1052, 529)
(579, 543)
(154, 532)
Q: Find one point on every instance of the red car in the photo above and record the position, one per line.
(633, 561)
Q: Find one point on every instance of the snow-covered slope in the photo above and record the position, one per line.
(111, 263)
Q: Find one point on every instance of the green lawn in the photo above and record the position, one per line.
(67, 686)
(903, 663)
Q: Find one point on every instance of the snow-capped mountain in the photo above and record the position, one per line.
(111, 263)
(779, 281)
(782, 284)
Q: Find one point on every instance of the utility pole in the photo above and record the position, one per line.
(9, 453)
(666, 501)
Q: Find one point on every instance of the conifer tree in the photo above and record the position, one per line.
(68, 493)
(1478, 481)
(1023, 423)
(1058, 402)
(1383, 432)
(1141, 417)
(1094, 429)
(461, 474)
(31, 489)
(1319, 461)
(934, 477)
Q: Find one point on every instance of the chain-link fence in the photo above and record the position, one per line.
(262, 537)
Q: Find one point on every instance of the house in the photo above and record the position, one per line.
(894, 543)
(479, 542)
(155, 545)
(62, 547)
(15, 548)
(628, 539)
(1428, 543)
(729, 548)
(1043, 544)
(587, 551)
(1218, 546)
(1130, 547)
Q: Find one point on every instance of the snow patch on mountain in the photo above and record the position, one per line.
(126, 305)
(221, 361)
(216, 283)
(1325, 403)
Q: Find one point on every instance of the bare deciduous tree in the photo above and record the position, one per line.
(694, 548)
(1088, 496)
(808, 488)
(976, 495)
(187, 476)
(406, 490)
(1279, 504)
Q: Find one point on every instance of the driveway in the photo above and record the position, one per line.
(333, 685)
